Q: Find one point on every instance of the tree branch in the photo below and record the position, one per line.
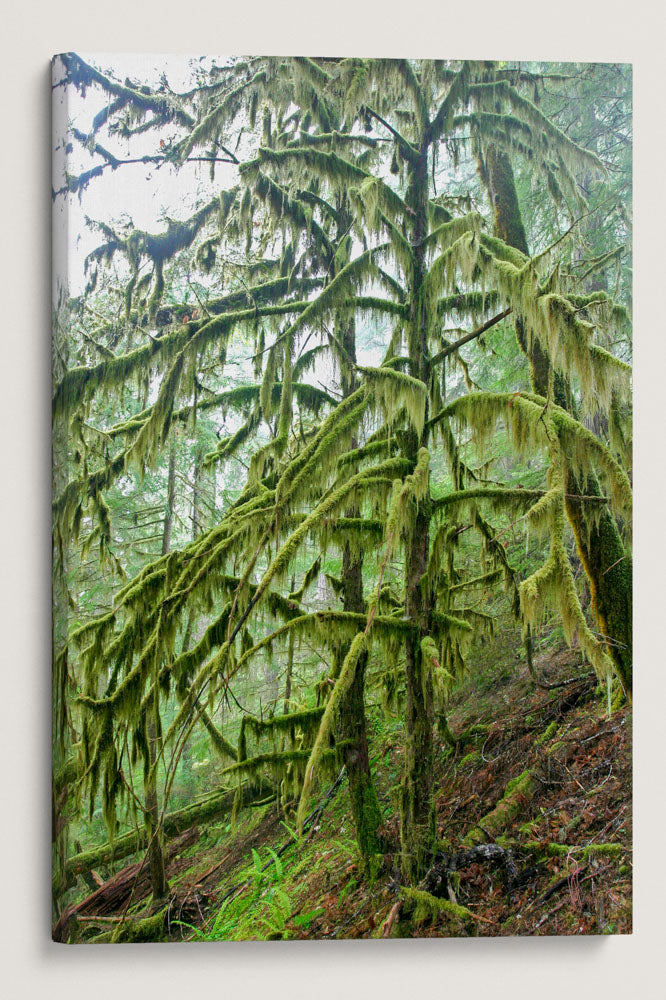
(441, 355)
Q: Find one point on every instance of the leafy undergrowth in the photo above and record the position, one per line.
(557, 764)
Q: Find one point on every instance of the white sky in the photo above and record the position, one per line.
(140, 191)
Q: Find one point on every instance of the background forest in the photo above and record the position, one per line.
(342, 501)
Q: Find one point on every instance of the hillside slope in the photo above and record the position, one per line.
(533, 815)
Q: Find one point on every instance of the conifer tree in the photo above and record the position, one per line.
(600, 546)
(334, 219)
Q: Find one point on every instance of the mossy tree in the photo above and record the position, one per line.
(607, 563)
(333, 218)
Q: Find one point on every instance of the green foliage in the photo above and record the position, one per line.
(261, 883)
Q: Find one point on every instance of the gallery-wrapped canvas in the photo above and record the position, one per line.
(341, 498)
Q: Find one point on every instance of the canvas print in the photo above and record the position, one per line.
(342, 579)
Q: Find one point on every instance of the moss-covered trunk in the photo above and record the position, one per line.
(154, 834)
(290, 663)
(599, 544)
(197, 521)
(609, 570)
(352, 725)
(497, 175)
(418, 828)
(352, 729)
(154, 838)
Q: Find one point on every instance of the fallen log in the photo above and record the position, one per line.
(139, 930)
(92, 880)
(518, 791)
(551, 849)
(201, 811)
(517, 794)
(130, 885)
(424, 905)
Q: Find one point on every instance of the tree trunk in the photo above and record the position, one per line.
(418, 826)
(497, 174)
(197, 522)
(196, 491)
(352, 729)
(154, 833)
(599, 544)
(352, 725)
(154, 836)
(171, 496)
(290, 662)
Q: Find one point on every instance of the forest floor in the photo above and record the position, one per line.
(542, 775)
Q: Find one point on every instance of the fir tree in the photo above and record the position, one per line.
(334, 221)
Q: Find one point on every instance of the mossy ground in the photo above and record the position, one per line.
(258, 880)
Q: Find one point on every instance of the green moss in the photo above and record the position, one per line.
(517, 784)
(136, 931)
(547, 734)
(252, 767)
(604, 850)
(367, 819)
(342, 685)
(554, 850)
(518, 790)
(426, 906)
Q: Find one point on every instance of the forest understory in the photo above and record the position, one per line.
(534, 832)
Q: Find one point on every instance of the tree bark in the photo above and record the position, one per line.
(197, 523)
(418, 826)
(352, 729)
(154, 832)
(352, 725)
(171, 496)
(290, 663)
